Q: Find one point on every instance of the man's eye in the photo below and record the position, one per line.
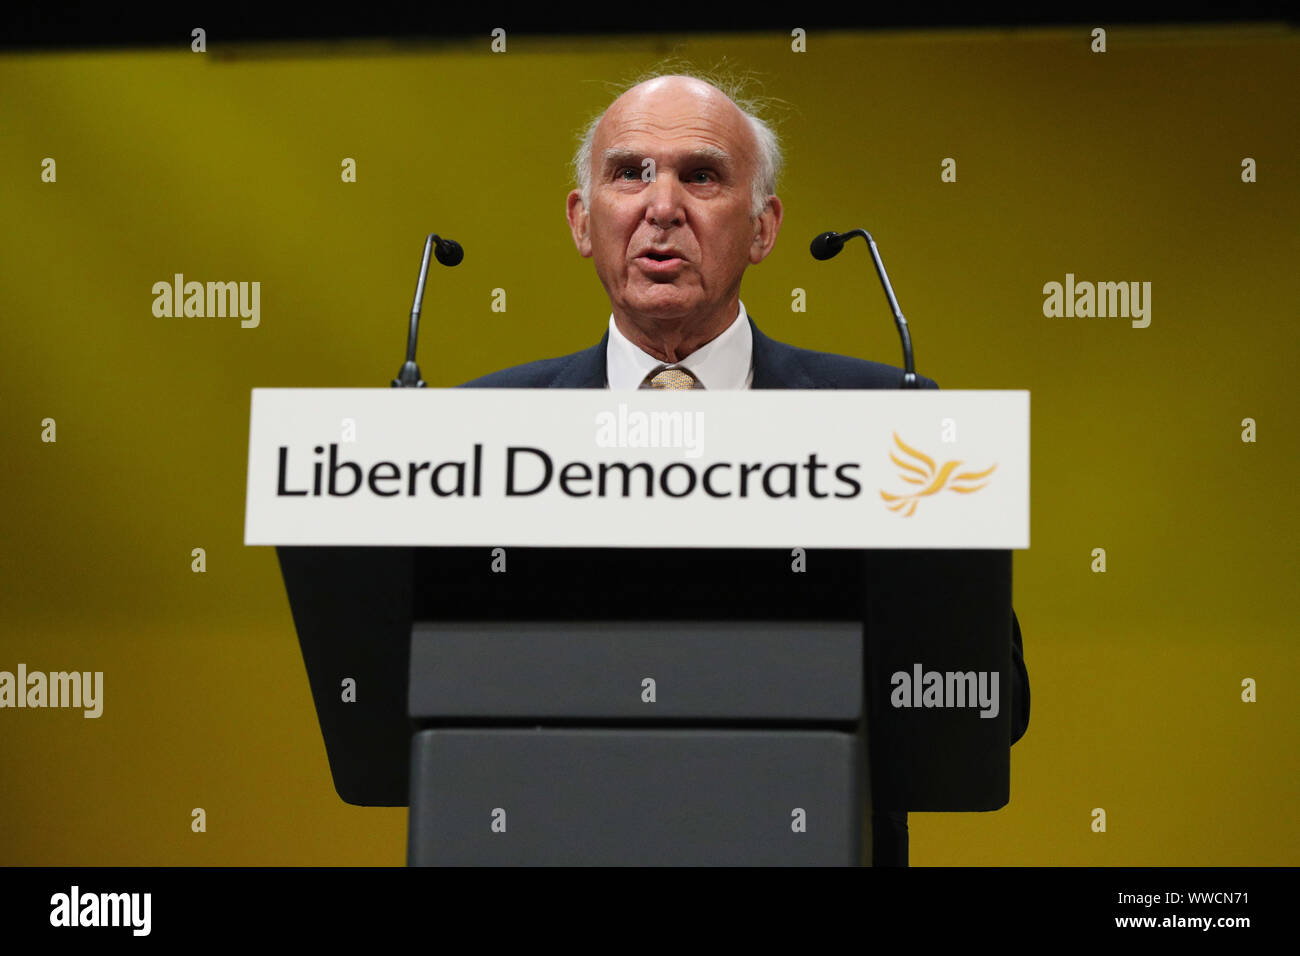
(702, 176)
(628, 173)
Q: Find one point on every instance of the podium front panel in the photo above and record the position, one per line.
(791, 672)
(566, 797)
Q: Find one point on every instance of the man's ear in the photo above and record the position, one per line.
(577, 213)
(766, 226)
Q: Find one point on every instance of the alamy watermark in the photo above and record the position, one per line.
(922, 688)
(1126, 300)
(657, 429)
(76, 908)
(77, 689)
(178, 298)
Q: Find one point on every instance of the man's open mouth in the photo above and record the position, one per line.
(666, 266)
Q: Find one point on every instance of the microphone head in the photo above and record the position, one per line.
(827, 245)
(448, 252)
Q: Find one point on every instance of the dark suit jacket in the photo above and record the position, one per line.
(777, 365)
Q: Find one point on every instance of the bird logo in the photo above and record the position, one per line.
(932, 478)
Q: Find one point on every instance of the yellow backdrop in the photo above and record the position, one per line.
(1117, 166)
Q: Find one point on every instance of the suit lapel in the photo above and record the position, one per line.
(776, 365)
(586, 369)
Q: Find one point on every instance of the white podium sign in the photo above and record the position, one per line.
(599, 468)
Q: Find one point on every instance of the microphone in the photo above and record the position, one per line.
(449, 253)
(828, 246)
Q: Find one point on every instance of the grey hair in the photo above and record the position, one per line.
(769, 157)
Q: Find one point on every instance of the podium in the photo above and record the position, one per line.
(581, 693)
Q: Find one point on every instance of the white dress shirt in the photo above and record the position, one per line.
(727, 362)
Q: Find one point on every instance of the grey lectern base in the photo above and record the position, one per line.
(638, 743)
(501, 797)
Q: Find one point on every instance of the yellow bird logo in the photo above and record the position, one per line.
(931, 477)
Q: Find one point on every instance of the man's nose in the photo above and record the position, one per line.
(664, 202)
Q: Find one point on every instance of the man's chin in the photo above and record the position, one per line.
(667, 306)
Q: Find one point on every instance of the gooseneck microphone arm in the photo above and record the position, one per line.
(449, 253)
(828, 245)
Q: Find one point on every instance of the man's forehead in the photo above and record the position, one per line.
(685, 115)
(664, 152)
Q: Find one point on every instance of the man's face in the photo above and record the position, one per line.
(675, 247)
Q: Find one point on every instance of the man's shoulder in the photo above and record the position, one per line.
(577, 368)
(538, 374)
(831, 370)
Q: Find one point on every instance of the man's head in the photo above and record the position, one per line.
(675, 200)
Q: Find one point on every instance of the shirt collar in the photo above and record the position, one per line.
(726, 362)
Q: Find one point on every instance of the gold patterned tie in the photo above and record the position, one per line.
(665, 377)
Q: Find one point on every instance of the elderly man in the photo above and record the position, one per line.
(675, 198)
